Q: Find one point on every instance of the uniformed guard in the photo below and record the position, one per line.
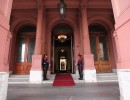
(80, 67)
(45, 65)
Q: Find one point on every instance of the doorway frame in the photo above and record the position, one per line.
(52, 51)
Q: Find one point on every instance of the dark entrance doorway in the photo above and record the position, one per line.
(62, 49)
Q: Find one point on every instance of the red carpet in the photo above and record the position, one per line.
(63, 80)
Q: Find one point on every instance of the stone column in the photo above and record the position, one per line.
(77, 47)
(5, 11)
(118, 59)
(122, 37)
(4, 74)
(89, 69)
(36, 70)
(6, 55)
(122, 73)
(43, 33)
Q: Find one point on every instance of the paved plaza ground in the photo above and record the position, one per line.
(82, 91)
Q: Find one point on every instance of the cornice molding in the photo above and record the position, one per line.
(40, 4)
(9, 35)
(52, 4)
(84, 2)
(115, 34)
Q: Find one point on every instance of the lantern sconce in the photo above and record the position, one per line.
(62, 8)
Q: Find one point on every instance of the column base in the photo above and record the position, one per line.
(90, 75)
(114, 70)
(3, 85)
(10, 72)
(36, 76)
(124, 83)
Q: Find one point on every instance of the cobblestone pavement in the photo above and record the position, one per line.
(82, 91)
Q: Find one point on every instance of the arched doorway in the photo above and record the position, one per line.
(25, 44)
(62, 50)
(99, 48)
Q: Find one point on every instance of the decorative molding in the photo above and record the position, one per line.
(101, 20)
(32, 4)
(120, 26)
(67, 20)
(4, 27)
(22, 20)
(115, 34)
(84, 2)
(9, 35)
(41, 4)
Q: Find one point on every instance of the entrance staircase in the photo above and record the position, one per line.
(18, 79)
(107, 77)
(24, 79)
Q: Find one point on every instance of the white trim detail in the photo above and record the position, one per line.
(90, 76)
(3, 85)
(36, 77)
(124, 83)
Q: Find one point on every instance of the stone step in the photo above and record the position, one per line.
(107, 77)
(101, 77)
(24, 79)
(106, 74)
(19, 76)
(18, 79)
(76, 78)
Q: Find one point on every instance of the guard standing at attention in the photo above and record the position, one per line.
(45, 65)
(80, 67)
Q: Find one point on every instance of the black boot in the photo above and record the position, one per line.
(81, 76)
(45, 74)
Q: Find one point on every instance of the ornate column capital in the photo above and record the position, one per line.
(84, 3)
(41, 4)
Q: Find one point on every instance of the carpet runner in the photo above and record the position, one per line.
(63, 80)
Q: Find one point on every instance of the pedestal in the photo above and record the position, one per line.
(89, 69)
(3, 85)
(90, 75)
(36, 74)
(124, 83)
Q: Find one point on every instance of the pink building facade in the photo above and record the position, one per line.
(99, 31)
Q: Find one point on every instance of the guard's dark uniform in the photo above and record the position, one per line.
(45, 65)
(80, 68)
